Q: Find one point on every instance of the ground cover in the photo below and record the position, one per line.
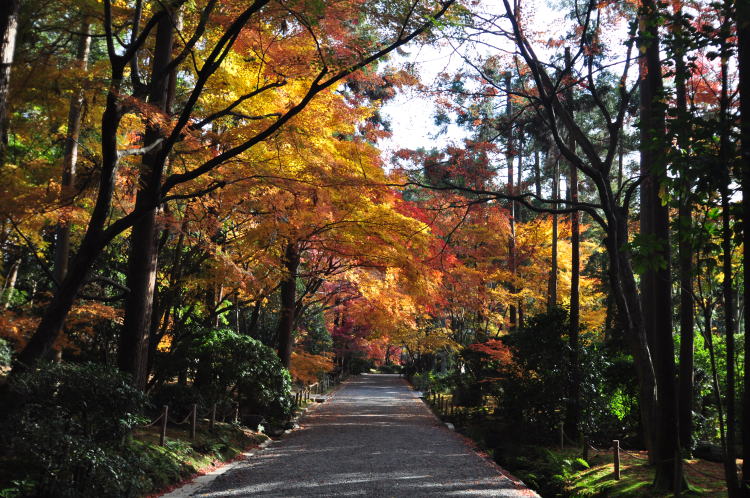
(556, 472)
(164, 467)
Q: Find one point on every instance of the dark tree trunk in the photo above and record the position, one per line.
(537, 174)
(94, 240)
(252, 327)
(573, 409)
(684, 228)
(730, 467)
(509, 154)
(657, 283)
(288, 304)
(143, 257)
(552, 301)
(743, 32)
(8, 34)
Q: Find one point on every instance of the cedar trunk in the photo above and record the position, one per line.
(573, 409)
(656, 282)
(684, 225)
(743, 34)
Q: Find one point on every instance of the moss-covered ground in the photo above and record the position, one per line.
(181, 458)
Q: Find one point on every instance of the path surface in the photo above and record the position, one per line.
(375, 437)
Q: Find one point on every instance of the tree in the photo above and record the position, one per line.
(743, 33)
(8, 34)
(215, 43)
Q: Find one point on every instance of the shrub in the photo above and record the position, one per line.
(179, 397)
(360, 364)
(65, 428)
(229, 361)
(390, 369)
(6, 353)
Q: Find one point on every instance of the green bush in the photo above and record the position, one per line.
(390, 369)
(179, 397)
(360, 364)
(229, 362)
(432, 381)
(6, 353)
(64, 431)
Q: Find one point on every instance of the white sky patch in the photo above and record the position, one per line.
(411, 113)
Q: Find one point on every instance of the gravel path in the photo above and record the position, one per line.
(375, 437)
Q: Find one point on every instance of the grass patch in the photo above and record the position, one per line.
(181, 459)
(705, 478)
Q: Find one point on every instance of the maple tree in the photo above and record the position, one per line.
(177, 171)
(240, 33)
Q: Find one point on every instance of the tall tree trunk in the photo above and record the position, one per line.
(143, 257)
(519, 212)
(288, 304)
(8, 35)
(730, 467)
(573, 408)
(657, 283)
(552, 300)
(9, 286)
(743, 34)
(684, 225)
(537, 174)
(70, 158)
(510, 153)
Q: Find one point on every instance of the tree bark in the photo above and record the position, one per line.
(9, 286)
(537, 174)
(573, 408)
(288, 304)
(8, 35)
(143, 258)
(70, 158)
(657, 283)
(743, 35)
(730, 467)
(509, 155)
(684, 228)
(552, 301)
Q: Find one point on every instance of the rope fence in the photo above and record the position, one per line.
(301, 397)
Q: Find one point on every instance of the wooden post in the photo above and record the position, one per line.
(585, 448)
(194, 421)
(562, 435)
(616, 457)
(213, 418)
(165, 416)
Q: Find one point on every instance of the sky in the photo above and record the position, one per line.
(411, 113)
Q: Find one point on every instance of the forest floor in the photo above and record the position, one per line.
(374, 437)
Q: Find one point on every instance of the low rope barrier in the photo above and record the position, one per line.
(211, 413)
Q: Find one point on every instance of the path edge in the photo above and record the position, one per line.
(201, 481)
(517, 483)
